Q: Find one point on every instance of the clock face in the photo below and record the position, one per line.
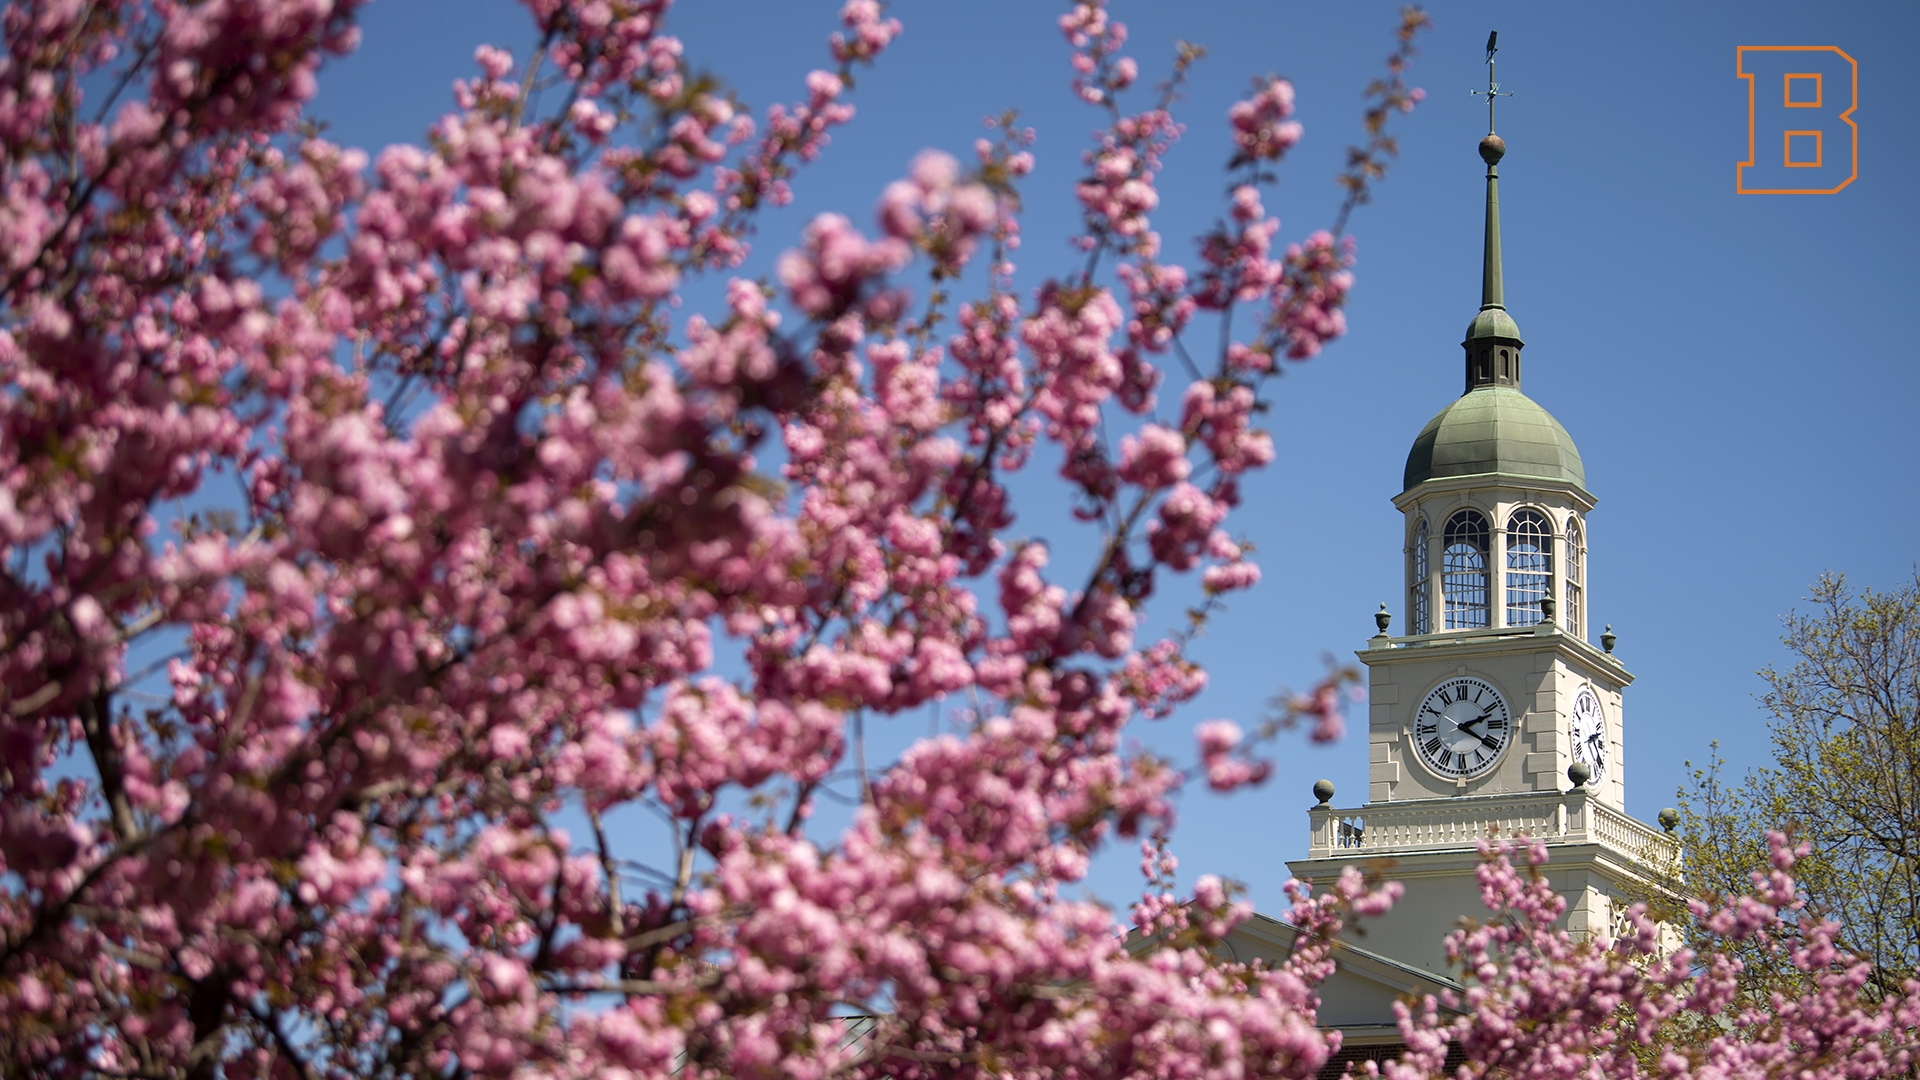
(1589, 731)
(1462, 727)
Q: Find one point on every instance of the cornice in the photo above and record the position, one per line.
(1505, 641)
(1526, 485)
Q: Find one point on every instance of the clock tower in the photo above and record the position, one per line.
(1494, 714)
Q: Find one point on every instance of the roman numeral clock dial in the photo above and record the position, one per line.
(1589, 731)
(1462, 728)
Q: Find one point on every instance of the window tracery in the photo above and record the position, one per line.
(1529, 574)
(1575, 561)
(1463, 571)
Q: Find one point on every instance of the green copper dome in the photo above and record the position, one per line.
(1495, 429)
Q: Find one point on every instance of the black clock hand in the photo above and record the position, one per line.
(1486, 740)
(1469, 724)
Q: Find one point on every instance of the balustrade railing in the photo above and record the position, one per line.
(1615, 829)
(1438, 824)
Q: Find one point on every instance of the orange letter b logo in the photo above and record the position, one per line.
(1801, 138)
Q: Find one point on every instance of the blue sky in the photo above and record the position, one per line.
(1737, 370)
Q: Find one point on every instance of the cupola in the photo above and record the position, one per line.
(1494, 490)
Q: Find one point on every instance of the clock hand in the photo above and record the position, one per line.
(1486, 740)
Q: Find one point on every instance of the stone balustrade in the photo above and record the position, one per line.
(1441, 824)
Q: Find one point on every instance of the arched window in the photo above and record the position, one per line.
(1463, 571)
(1574, 562)
(1529, 566)
(1418, 616)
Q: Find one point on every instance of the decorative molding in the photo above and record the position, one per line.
(1570, 817)
(1493, 641)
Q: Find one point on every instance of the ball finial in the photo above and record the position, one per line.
(1579, 774)
(1669, 819)
(1323, 790)
(1492, 149)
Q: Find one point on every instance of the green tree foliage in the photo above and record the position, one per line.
(1845, 779)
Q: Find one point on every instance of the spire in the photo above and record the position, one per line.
(1492, 149)
(1493, 339)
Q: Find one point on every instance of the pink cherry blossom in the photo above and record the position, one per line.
(1261, 128)
(835, 270)
(1541, 1001)
(1155, 458)
(1218, 740)
(437, 630)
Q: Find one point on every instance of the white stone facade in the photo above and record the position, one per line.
(1538, 669)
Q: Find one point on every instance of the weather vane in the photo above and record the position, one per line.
(1493, 87)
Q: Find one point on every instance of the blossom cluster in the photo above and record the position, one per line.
(1262, 125)
(1625, 1002)
(373, 530)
